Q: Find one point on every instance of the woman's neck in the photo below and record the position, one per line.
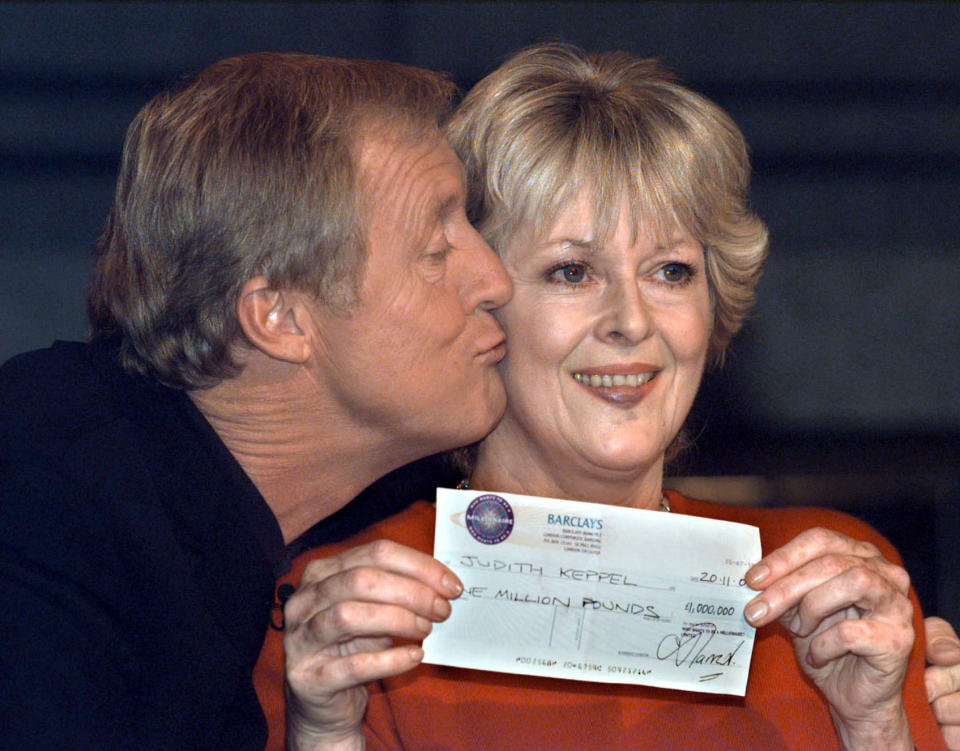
(510, 465)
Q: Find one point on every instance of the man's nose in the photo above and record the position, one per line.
(487, 285)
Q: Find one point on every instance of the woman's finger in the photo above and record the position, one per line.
(806, 547)
(886, 644)
(365, 584)
(323, 676)
(351, 620)
(790, 589)
(859, 587)
(388, 556)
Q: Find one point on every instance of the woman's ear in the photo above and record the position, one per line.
(268, 318)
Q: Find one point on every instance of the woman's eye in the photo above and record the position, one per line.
(571, 273)
(676, 273)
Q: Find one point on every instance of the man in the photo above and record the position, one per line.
(288, 302)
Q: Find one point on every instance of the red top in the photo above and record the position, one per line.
(437, 707)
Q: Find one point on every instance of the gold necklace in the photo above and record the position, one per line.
(464, 484)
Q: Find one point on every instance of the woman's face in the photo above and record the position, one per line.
(606, 344)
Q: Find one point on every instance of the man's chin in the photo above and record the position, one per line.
(487, 417)
(496, 406)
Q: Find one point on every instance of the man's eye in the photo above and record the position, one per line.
(439, 256)
(571, 273)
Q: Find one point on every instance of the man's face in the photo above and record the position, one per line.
(416, 356)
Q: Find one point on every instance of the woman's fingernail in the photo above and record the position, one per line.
(441, 608)
(755, 611)
(423, 624)
(451, 584)
(416, 654)
(757, 574)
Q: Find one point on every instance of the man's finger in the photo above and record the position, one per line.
(943, 646)
(951, 734)
(947, 709)
(941, 681)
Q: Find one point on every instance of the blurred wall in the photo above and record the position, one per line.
(853, 115)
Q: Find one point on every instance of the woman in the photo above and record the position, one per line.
(617, 201)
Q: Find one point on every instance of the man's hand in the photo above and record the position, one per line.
(848, 610)
(340, 629)
(943, 678)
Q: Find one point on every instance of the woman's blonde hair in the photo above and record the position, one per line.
(554, 119)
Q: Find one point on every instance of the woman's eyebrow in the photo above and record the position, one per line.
(675, 241)
(580, 244)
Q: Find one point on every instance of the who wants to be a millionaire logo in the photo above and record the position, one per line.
(489, 519)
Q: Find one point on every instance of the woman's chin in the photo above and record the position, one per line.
(626, 462)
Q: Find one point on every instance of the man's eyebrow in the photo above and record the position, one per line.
(447, 205)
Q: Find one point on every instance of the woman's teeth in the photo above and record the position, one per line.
(609, 381)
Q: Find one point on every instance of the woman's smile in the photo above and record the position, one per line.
(622, 386)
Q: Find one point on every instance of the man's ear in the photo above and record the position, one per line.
(268, 318)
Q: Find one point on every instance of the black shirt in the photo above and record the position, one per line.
(137, 564)
(137, 561)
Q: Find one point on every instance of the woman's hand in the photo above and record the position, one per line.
(943, 678)
(340, 627)
(848, 611)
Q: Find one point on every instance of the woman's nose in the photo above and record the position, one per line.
(626, 318)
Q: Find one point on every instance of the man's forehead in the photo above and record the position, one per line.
(389, 163)
(381, 143)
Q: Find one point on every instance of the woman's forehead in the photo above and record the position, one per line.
(586, 220)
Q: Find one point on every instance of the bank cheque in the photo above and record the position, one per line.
(592, 592)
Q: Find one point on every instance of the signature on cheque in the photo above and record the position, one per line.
(690, 648)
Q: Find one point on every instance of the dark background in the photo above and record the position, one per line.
(843, 388)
